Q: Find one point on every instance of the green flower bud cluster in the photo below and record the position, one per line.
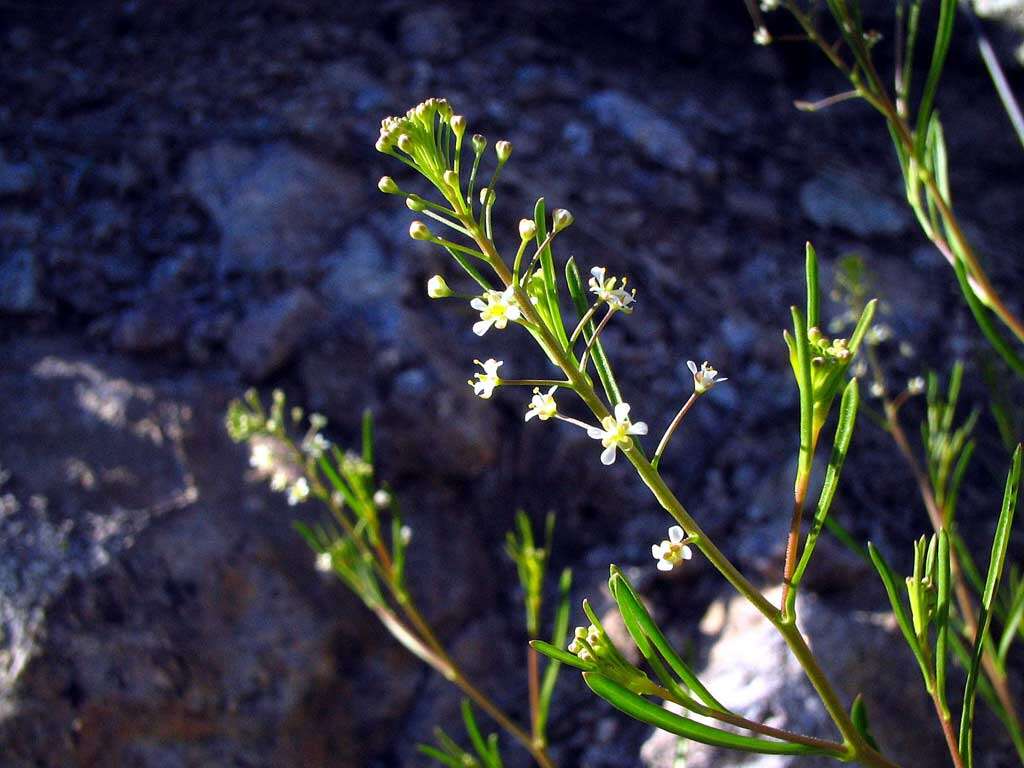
(597, 653)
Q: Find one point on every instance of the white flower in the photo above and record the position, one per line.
(261, 457)
(604, 288)
(916, 385)
(381, 498)
(704, 378)
(876, 389)
(299, 492)
(762, 36)
(542, 405)
(615, 431)
(496, 308)
(486, 382)
(405, 534)
(279, 480)
(878, 333)
(769, 5)
(672, 551)
(315, 445)
(324, 562)
(437, 288)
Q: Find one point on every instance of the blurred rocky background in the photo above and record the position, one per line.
(188, 207)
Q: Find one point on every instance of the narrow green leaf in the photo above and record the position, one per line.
(559, 636)
(559, 655)
(1013, 621)
(368, 436)
(859, 715)
(579, 300)
(626, 596)
(441, 757)
(337, 483)
(468, 268)
(844, 432)
(645, 711)
(899, 611)
(942, 619)
(813, 293)
(997, 562)
(473, 731)
(981, 317)
(943, 35)
(547, 263)
(804, 384)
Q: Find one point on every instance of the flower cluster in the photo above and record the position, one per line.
(826, 352)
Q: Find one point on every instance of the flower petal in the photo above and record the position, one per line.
(676, 534)
(608, 455)
(692, 366)
(530, 414)
(656, 551)
(621, 411)
(481, 327)
(640, 428)
(596, 432)
(664, 565)
(478, 304)
(687, 553)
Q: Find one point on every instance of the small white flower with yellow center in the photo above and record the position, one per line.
(672, 551)
(542, 405)
(615, 432)
(261, 457)
(616, 298)
(704, 378)
(762, 36)
(916, 385)
(496, 308)
(381, 498)
(324, 562)
(299, 492)
(486, 382)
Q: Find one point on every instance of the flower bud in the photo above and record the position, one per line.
(503, 150)
(527, 229)
(479, 143)
(451, 179)
(387, 185)
(561, 219)
(487, 196)
(437, 288)
(419, 231)
(405, 143)
(458, 124)
(415, 203)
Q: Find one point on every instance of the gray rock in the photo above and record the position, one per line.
(657, 137)
(270, 333)
(16, 179)
(750, 669)
(19, 283)
(431, 33)
(847, 201)
(148, 327)
(278, 208)
(359, 285)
